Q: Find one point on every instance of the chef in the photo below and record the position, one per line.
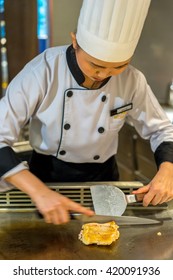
(76, 99)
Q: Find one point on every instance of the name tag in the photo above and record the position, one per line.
(121, 109)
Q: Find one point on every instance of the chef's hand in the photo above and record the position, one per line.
(55, 207)
(160, 189)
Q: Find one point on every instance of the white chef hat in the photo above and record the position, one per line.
(109, 30)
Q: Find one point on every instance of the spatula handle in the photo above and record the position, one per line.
(131, 198)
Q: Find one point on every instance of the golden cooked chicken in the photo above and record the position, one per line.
(100, 234)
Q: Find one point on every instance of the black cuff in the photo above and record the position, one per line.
(164, 152)
(8, 160)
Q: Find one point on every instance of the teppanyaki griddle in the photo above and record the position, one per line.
(23, 236)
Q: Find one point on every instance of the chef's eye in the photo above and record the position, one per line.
(95, 66)
(121, 66)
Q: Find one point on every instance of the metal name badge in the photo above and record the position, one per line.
(121, 109)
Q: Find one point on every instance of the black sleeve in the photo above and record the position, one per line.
(8, 160)
(164, 152)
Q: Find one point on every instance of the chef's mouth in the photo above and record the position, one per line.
(97, 79)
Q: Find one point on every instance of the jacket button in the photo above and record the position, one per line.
(67, 126)
(103, 98)
(62, 153)
(69, 93)
(101, 129)
(96, 157)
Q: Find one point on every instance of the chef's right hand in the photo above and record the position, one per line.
(55, 207)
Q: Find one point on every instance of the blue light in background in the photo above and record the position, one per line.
(2, 22)
(3, 52)
(43, 25)
(1, 6)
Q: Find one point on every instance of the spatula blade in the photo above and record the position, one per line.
(108, 200)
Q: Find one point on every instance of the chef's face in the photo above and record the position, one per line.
(95, 69)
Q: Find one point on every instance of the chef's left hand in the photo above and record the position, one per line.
(160, 189)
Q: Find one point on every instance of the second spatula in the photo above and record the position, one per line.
(110, 200)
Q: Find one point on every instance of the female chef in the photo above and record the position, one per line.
(76, 99)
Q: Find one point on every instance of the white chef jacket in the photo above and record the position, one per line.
(71, 122)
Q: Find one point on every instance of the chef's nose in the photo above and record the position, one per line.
(103, 73)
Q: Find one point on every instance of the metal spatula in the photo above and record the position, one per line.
(110, 200)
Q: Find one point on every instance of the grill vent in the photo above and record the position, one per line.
(15, 200)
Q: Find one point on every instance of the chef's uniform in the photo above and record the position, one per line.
(74, 130)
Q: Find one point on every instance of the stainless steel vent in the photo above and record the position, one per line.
(15, 200)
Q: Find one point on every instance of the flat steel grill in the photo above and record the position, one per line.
(16, 200)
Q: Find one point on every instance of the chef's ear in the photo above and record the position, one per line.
(74, 41)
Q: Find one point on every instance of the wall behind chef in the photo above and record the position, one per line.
(156, 46)
(21, 33)
(64, 17)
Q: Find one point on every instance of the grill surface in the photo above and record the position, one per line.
(24, 236)
(15, 200)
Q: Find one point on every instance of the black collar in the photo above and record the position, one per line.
(74, 68)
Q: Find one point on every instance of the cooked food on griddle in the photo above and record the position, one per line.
(100, 234)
